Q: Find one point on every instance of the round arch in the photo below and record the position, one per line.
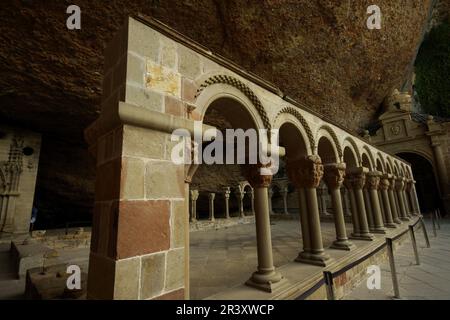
(328, 132)
(287, 120)
(349, 144)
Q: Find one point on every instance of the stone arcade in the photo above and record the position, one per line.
(157, 81)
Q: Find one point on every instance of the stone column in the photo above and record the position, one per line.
(415, 199)
(194, 198)
(211, 197)
(270, 191)
(334, 178)
(266, 277)
(354, 210)
(440, 165)
(393, 204)
(373, 181)
(380, 201)
(227, 193)
(384, 188)
(405, 192)
(358, 179)
(399, 183)
(252, 198)
(240, 195)
(345, 202)
(306, 174)
(368, 206)
(284, 193)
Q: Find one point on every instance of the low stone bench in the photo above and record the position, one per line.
(26, 255)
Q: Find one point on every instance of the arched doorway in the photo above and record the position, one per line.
(426, 185)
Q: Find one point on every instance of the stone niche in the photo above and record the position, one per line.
(19, 159)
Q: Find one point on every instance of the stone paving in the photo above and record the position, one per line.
(224, 258)
(428, 281)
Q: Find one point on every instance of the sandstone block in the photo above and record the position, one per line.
(152, 275)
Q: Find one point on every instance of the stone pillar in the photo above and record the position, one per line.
(393, 204)
(306, 174)
(211, 197)
(266, 277)
(380, 201)
(334, 178)
(345, 202)
(373, 181)
(252, 198)
(406, 191)
(270, 191)
(284, 193)
(227, 202)
(354, 210)
(399, 184)
(368, 206)
(240, 195)
(384, 188)
(194, 198)
(358, 179)
(415, 199)
(440, 165)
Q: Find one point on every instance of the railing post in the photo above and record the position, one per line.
(425, 233)
(390, 249)
(414, 244)
(328, 277)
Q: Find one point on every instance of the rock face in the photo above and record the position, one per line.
(318, 52)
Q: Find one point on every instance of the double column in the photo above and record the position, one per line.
(372, 185)
(356, 180)
(305, 174)
(334, 178)
(387, 209)
(399, 188)
(393, 203)
(266, 277)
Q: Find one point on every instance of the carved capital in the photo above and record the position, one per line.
(211, 196)
(252, 172)
(357, 177)
(194, 195)
(384, 183)
(306, 172)
(373, 180)
(334, 175)
(399, 184)
(409, 185)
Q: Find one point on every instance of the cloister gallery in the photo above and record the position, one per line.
(157, 81)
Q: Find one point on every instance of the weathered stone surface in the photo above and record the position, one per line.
(164, 180)
(175, 269)
(143, 228)
(178, 224)
(126, 283)
(152, 275)
(132, 181)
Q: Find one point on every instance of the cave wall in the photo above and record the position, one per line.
(318, 52)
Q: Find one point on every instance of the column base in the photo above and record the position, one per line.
(365, 237)
(404, 218)
(391, 225)
(342, 245)
(316, 259)
(268, 282)
(398, 221)
(379, 230)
